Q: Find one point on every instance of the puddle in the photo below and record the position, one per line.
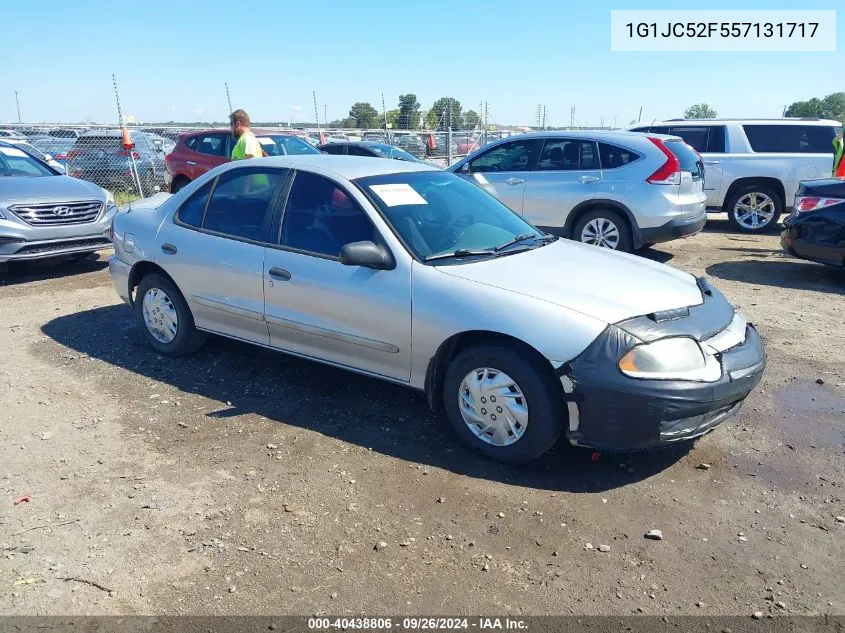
(812, 414)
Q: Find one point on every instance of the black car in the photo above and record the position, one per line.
(367, 148)
(99, 157)
(815, 229)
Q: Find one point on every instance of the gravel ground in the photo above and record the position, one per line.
(238, 481)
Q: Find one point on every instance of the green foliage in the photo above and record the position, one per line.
(440, 107)
(471, 119)
(409, 112)
(700, 111)
(364, 114)
(830, 107)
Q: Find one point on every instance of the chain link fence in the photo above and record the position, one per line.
(102, 155)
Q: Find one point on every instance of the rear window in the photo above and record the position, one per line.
(192, 142)
(99, 141)
(793, 139)
(686, 155)
(613, 156)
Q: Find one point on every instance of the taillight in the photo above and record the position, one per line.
(124, 152)
(669, 172)
(73, 153)
(61, 156)
(810, 203)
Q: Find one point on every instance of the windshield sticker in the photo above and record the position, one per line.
(266, 141)
(397, 195)
(12, 151)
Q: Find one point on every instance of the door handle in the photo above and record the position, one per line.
(711, 162)
(514, 181)
(168, 249)
(588, 179)
(279, 273)
(190, 162)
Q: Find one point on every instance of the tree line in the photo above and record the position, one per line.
(408, 115)
(830, 107)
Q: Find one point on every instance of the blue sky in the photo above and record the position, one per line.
(514, 55)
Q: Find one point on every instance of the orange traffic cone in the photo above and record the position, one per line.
(432, 144)
(322, 138)
(127, 140)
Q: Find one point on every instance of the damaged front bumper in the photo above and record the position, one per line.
(614, 412)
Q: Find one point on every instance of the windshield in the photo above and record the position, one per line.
(15, 162)
(437, 213)
(282, 144)
(389, 151)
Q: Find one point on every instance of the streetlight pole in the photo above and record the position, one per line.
(325, 115)
(18, 104)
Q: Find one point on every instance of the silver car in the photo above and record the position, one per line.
(412, 275)
(619, 190)
(45, 214)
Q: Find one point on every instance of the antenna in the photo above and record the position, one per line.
(651, 124)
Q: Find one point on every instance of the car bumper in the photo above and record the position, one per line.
(119, 272)
(820, 248)
(611, 411)
(673, 229)
(20, 250)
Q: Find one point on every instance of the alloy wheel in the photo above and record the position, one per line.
(600, 232)
(754, 210)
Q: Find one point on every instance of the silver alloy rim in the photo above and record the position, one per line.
(160, 315)
(754, 210)
(600, 232)
(493, 406)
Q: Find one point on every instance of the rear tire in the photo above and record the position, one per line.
(502, 403)
(604, 228)
(178, 183)
(747, 206)
(157, 302)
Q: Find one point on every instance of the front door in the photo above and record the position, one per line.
(212, 150)
(317, 307)
(502, 170)
(567, 174)
(213, 248)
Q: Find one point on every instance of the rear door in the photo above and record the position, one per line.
(213, 248)
(567, 173)
(210, 151)
(502, 170)
(709, 141)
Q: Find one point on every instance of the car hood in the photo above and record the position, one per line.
(598, 282)
(48, 189)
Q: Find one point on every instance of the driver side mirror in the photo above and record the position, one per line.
(368, 255)
(463, 169)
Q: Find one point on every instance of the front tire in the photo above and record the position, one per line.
(165, 317)
(754, 209)
(604, 228)
(502, 403)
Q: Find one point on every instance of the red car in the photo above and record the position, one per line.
(197, 152)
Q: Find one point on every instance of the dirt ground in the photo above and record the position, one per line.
(238, 481)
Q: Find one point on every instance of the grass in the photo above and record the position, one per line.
(122, 198)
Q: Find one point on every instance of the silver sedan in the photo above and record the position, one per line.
(418, 277)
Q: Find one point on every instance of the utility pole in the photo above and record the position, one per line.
(228, 98)
(544, 117)
(384, 111)
(640, 117)
(572, 117)
(316, 113)
(539, 107)
(602, 123)
(486, 121)
(325, 115)
(18, 103)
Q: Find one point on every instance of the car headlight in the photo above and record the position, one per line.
(110, 200)
(678, 358)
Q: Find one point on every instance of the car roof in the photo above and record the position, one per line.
(348, 167)
(781, 121)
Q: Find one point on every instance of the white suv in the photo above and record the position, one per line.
(753, 166)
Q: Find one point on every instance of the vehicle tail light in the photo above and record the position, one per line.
(124, 152)
(813, 203)
(73, 153)
(62, 156)
(669, 172)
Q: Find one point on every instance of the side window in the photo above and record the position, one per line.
(192, 142)
(716, 141)
(568, 155)
(355, 150)
(334, 148)
(321, 218)
(613, 156)
(193, 208)
(695, 137)
(212, 144)
(240, 203)
(798, 139)
(513, 156)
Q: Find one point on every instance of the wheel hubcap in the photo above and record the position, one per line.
(754, 210)
(493, 406)
(160, 315)
(600, 232)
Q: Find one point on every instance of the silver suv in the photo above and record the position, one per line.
(753, 166)
(45, 214)
(618, 190)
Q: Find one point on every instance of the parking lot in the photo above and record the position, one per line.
(238, 481)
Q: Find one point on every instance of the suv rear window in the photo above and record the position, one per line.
(690, 161)
(792, 139)
(613, 156)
